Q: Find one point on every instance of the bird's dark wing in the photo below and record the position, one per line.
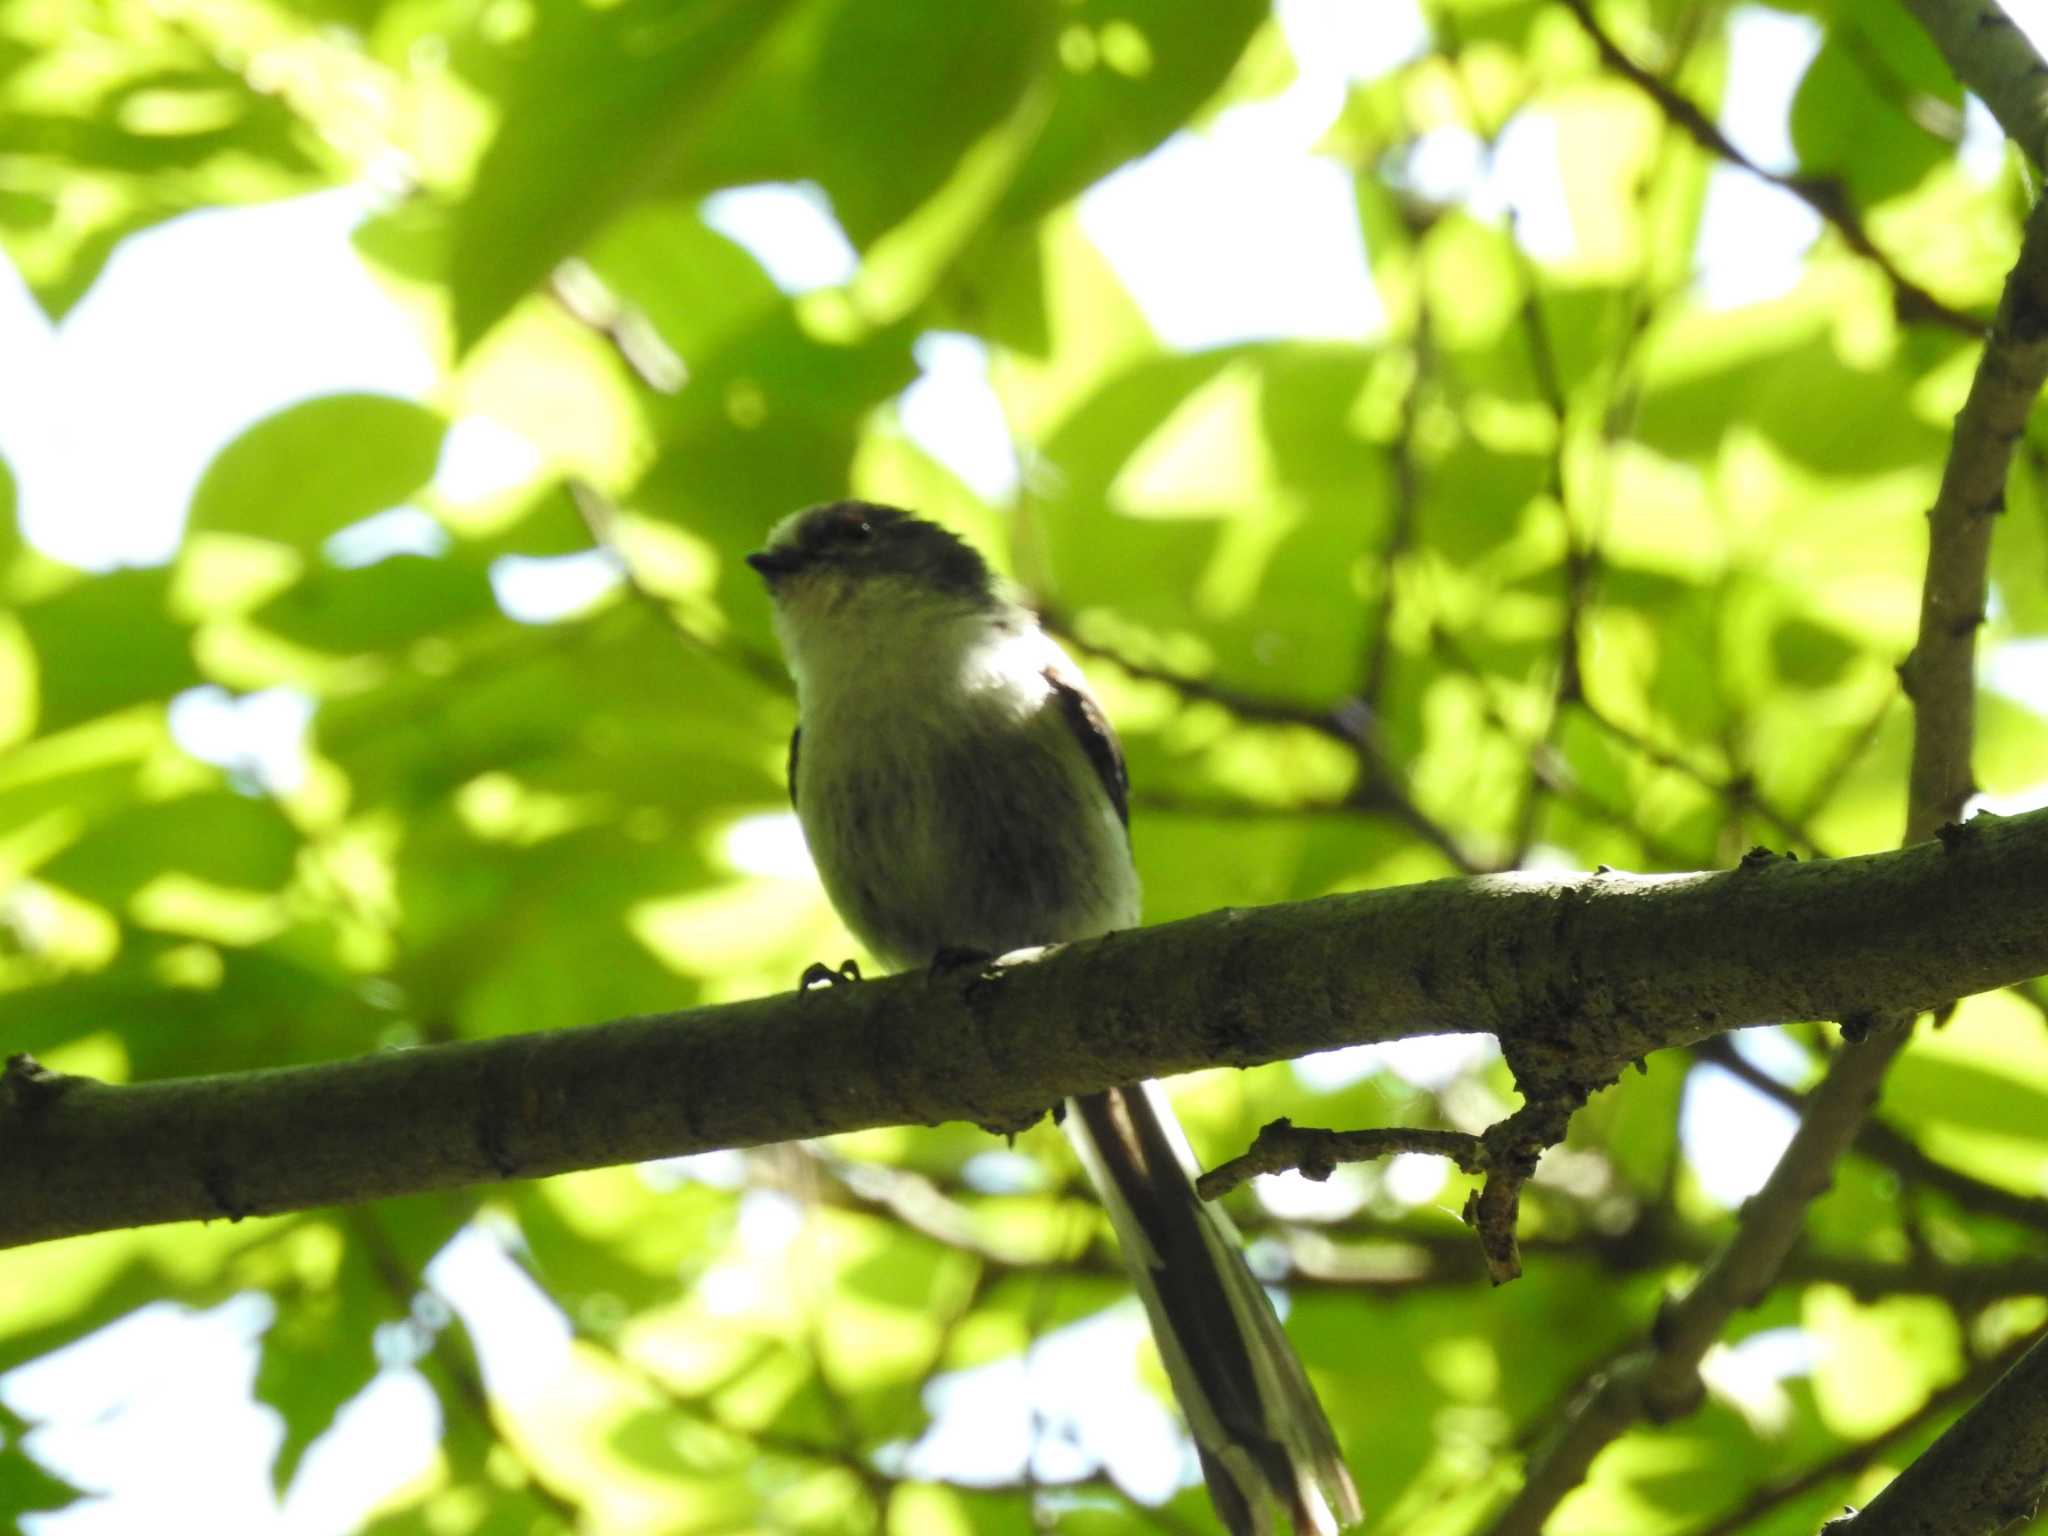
(1092, 729)
(795, 737)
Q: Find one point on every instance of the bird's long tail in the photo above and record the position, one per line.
(1262, 1436)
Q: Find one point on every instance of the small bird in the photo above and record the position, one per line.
(962, 791)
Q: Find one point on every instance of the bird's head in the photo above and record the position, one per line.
(853, 563)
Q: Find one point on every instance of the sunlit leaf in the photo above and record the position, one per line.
(608, 100)
(313, 469)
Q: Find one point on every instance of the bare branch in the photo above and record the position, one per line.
(1914, 302)
(1284, 1147)
(1741, 1274)
(1577, 976)
(1939, 676)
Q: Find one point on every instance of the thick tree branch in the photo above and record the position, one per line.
(1989, 1469)
(1578, 977)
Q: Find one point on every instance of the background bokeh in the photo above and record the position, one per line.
(1441, 459)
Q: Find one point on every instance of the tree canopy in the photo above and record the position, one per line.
(1592, 543)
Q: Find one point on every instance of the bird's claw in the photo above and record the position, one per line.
(819, 974)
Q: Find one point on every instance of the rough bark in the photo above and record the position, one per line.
(1578, 977)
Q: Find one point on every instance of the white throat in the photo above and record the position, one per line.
(886, 641)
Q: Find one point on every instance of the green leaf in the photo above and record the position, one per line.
(899, 93)
(1818, 409)
(1870, 105)
(1810, 655)
(318, 1354)
(1877, 1362)
(1136, 71)
(1980, 1099)
(608, 1245)
(10, 525)
(766, 425)
(218, 836)
(280, 1002)
(122, 122)
(700, 289)
(1637, 1120)
(26, 1486)
(2019, 554)
(104, 643)
(316, 467)
(608, 99)
(321, 1349)
(381, 606)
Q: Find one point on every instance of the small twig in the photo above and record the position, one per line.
(1513, 1148)
(1939, 674)
(1551, 773)
(1379, 787)
(1825, 198)
(1284, 1147)
(1739, 791)
(1320, 1255)
(1507, 1154)
(1743, 1272)
(587, 299)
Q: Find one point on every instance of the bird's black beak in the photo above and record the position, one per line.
(772, 564)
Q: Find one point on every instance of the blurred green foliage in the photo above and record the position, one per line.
(1561, 567)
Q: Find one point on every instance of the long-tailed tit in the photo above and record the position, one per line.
(961, 790)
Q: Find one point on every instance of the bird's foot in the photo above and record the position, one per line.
(819, 974)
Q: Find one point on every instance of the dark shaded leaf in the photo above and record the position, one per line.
(105, 643)
(26, 1486)
(378, 607)
(898, 94)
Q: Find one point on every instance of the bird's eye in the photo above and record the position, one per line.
(855, 529)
